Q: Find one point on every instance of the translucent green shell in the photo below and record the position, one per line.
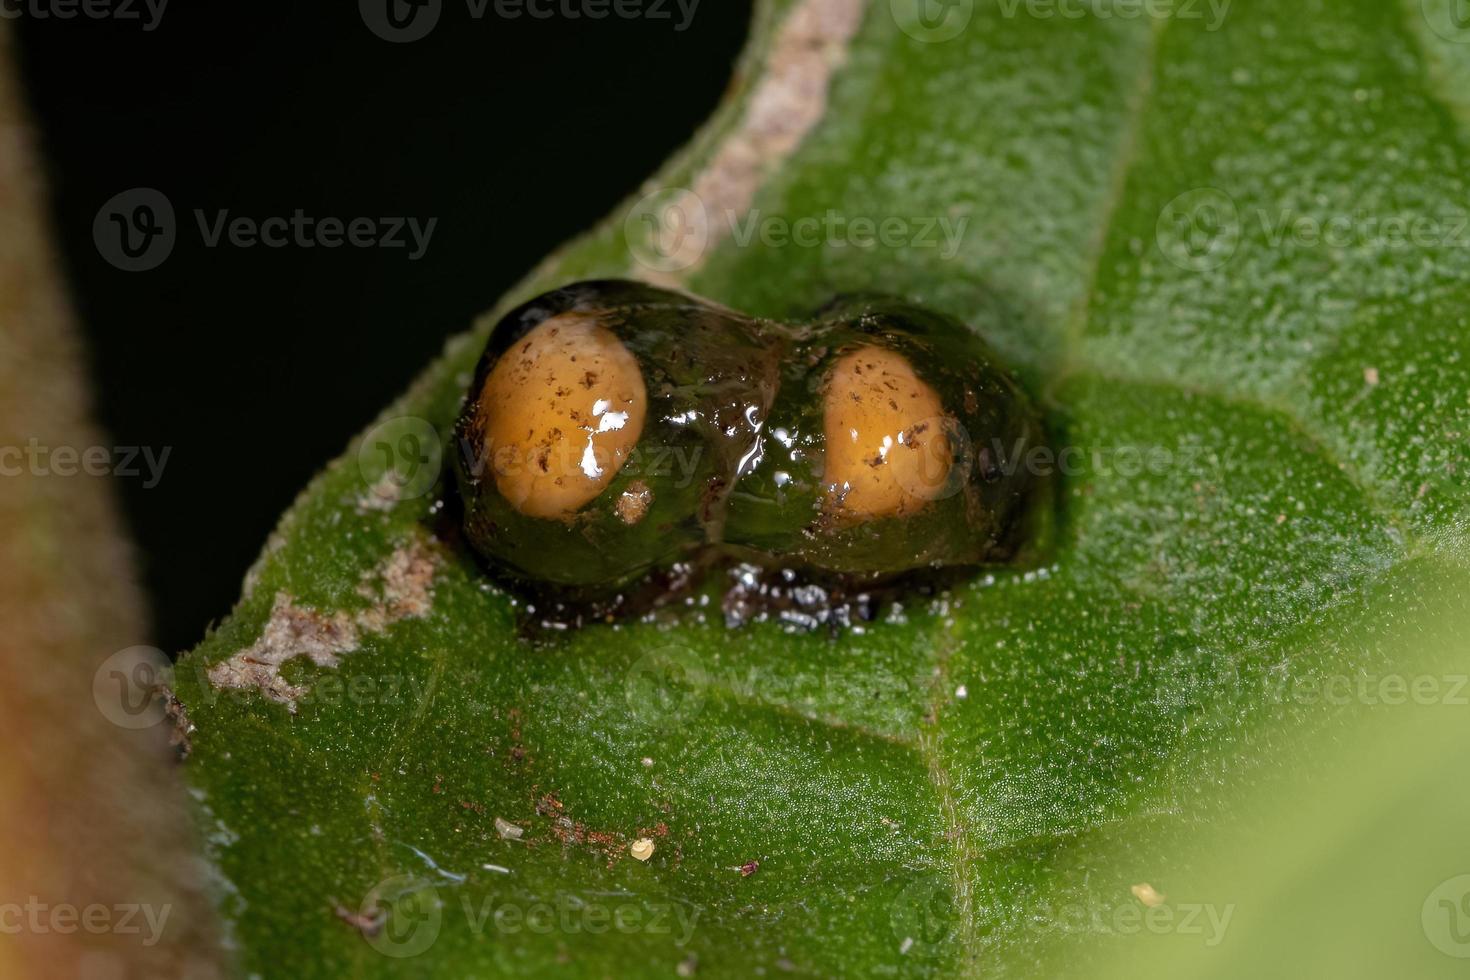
(732, 448)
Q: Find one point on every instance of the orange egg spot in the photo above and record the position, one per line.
(886, 449)
(562, 411)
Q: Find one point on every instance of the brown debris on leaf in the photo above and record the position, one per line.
(612, 844)
(181, 729)
(517, 751)
(400, 588)
(632, 505)
(369, 923)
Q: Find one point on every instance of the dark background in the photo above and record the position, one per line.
(257, 365)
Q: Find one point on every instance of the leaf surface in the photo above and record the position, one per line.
(1269, 484)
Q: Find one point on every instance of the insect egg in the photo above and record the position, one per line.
(564, 408)
(614, 430)
(886, 453)
(603, 430)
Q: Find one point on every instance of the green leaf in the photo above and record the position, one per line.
(1269, 496)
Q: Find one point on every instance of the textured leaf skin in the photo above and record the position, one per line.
(1297, 520)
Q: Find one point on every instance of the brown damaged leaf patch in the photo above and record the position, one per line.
(400, 588)
(787, 103)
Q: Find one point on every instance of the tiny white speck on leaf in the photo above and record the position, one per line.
(508, 830)
(642, 848)
(961, 692)
(1146, 894)
(1370, 375)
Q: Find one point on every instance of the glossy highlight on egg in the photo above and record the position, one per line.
(616, 433)
(563, 410)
